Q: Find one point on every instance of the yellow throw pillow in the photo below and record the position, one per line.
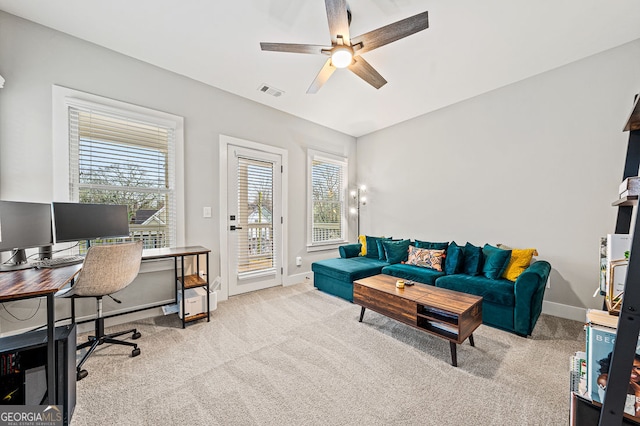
(520, 260)
(363, 240)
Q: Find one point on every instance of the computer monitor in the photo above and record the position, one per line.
(22, 226)
(81, 221)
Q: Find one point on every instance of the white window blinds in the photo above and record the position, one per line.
(255, 217)
(328, 188)
(117, 159)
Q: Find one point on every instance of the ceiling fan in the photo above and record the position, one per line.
(345, 50)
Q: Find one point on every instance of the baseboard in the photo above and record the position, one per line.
(146, 312)
(564, 311)
(121, 319)
(303, 277)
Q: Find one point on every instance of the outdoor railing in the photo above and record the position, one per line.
(151, 236)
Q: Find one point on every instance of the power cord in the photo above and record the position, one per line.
(23, 319)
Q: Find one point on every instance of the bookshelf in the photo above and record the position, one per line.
(612, 411)
(631, 200)
(185, 282)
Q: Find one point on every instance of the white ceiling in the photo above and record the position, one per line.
(470, 47)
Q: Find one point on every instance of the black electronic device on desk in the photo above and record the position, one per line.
(58, 262)
(86, 222)
(23, 226)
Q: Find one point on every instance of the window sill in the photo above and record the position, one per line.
(325, 247)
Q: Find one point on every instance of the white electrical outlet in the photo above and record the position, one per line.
(206, 212)
(299, 261)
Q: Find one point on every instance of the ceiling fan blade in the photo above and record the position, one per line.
(338, 20)
(322, 77)
(390, 33)
(294, 48)
(365, 71)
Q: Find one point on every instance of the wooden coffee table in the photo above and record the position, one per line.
(445, 313)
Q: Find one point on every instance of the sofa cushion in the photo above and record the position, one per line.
(372, 247)
(414, 273)
(363, 240)
(425, 258)
(472, 260)
(349, 250)
(520, 260)
(497, 291)
(454, 260)
(382, 255)
(495, 261)
(349, 269)
(430, 245)
(395, 251)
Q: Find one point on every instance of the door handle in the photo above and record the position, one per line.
(233, 227)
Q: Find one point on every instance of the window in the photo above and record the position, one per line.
(116, 155)
(255, 211)
(327, 200)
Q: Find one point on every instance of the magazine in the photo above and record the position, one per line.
(600, 342)
(578, 373)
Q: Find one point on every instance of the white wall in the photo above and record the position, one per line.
(535, 164)
(33, 58)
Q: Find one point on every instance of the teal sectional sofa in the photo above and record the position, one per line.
(513, 306)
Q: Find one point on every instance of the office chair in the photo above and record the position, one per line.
(106, 270)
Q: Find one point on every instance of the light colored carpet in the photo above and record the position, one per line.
(297, 356)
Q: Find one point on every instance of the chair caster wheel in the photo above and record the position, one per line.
(136, 335)
(135, 352)
(81, 375)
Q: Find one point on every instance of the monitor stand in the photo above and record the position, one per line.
(18, 261)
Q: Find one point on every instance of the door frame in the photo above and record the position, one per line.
(225, 141)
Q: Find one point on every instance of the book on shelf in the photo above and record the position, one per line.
(600, 343)
(629, 194)
(604, 318)
(603, 265)
(444, 327)
(613, 248)
(578, 373)
(428, 310)
(630, 186)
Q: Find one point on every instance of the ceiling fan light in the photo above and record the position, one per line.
(341, 57)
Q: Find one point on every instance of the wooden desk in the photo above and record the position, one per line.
(165, 253)
(186, 281)
(30, 283)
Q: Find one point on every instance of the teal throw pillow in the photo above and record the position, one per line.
(472, 260)
(495, 261)
(349, 250)
(455, 259)
(396, 251)
(372, 247)
(382, 255)
(431, 246)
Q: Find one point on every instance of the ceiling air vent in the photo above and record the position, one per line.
(270, 90)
